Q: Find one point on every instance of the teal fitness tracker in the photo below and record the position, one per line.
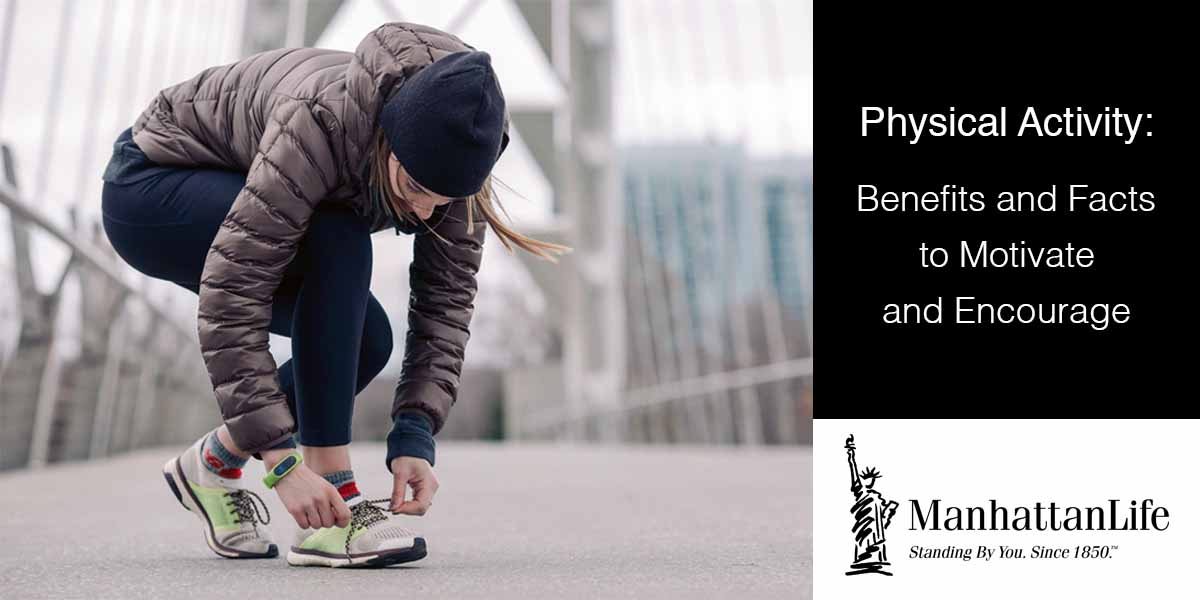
(282, 468)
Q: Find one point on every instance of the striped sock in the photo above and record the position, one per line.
(220, 460)
(344, 482)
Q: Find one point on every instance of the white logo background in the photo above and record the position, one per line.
(1018, 462)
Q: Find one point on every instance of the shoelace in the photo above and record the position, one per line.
(364, 514)
(243, 505)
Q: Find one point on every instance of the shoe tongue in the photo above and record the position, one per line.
(355, 501)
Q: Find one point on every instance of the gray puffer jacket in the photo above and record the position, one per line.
(300, 122)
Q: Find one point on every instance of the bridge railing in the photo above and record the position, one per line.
(94, 359)
(136, 379)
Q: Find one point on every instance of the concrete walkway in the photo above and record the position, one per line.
(511, 521)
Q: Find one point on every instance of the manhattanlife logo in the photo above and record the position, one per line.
(872, 515)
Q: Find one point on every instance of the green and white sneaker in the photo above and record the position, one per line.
(229, 512)
(373, 539)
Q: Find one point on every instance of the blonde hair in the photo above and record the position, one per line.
(482, 201)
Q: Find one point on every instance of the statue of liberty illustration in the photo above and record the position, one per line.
(872, 515)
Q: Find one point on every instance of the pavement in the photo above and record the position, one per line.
(510, 521)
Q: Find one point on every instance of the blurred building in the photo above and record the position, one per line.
(789, 235)
(714, 281)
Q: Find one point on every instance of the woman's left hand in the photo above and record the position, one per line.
(417, 473)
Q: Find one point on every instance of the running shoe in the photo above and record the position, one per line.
(373, 539)
(229, 513)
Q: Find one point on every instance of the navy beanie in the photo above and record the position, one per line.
(446, 123)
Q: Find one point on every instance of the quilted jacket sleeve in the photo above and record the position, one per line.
(293, 169)
(442, 281)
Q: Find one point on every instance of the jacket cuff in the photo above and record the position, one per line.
(412, 435)
(428, 397)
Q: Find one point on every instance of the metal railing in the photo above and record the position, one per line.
(137, 379)
(98, 366)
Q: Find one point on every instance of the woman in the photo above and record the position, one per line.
(257, 185)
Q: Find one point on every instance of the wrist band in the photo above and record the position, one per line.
(282, 468)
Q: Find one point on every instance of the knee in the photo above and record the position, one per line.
(376, 339)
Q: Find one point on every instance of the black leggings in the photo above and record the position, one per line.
(162, 220)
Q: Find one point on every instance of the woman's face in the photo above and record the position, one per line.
(408, 195)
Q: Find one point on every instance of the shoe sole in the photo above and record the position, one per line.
(370, 560)
(176, 480)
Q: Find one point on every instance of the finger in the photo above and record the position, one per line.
(422, 500)
(412, 507)
(424, 495)
(399, 487)
(300, 517)
(325, 510)
(341, 512)
(314, 516)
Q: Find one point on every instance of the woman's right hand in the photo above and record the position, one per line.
(311, 500)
